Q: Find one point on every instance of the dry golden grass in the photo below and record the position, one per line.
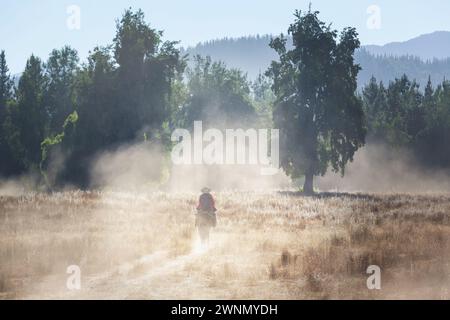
(266, 246)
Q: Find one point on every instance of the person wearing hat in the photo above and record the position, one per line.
(206, 214)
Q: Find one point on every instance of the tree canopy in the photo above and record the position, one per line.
(220, 97)
(316, 106)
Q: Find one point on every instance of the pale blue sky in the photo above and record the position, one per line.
(38, 26)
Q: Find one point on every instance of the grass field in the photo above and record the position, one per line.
(270, 245)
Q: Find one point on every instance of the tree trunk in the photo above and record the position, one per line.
(308, 187)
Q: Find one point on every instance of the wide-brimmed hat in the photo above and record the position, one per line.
(206, 190)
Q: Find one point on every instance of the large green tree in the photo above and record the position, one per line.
(123, 95)
(147, 68)
(317, 110)
(96, 106)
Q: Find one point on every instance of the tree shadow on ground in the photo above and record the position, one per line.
(327, 195)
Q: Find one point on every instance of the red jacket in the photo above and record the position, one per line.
(206, 203)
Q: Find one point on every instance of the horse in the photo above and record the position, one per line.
(205, 220)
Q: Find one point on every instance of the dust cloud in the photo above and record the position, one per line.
(148, 167)
(225, 177)
(19, 186)
(144, 167)
(377, 168)
(131, 167)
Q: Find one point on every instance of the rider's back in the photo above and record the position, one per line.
(206, 209)
(206, 203)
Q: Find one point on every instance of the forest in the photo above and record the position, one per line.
(94, 205)
(138, 89)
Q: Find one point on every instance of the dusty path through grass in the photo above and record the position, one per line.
(267, 245)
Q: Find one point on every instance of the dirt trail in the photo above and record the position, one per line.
(148, 277)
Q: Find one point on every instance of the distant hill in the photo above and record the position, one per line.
(387, 68)
(250, 54)
(253, 55)
(431, 46)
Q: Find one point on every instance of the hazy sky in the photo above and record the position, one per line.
(38, 26)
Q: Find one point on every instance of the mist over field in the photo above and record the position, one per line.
(136, 240)
(375, 168)
(297, 166)
(378, 168)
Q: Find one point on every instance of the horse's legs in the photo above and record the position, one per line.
(204, 234)
(207, 235)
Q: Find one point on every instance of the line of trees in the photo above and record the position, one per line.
(400, 115)
(63, 113)
(135, 90)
